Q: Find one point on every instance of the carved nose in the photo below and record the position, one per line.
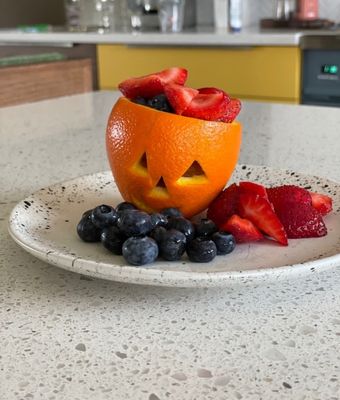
(160, 190)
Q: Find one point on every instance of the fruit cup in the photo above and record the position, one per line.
(159, 159)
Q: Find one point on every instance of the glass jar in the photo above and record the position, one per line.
(97, 15)
(72, 14)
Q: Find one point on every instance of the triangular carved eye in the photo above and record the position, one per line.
(194, 170)
(193, 175)
(141, 166)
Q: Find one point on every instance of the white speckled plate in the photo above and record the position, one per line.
(44, 224)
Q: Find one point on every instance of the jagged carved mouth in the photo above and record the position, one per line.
(194, 175)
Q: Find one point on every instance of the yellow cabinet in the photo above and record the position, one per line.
(262, 73)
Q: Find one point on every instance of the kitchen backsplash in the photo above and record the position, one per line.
(254, 10)
(329, 9)
(27, 12)
(13, 13)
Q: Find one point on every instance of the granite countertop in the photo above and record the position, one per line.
(67, 336)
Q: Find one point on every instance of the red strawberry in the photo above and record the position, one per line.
(232, 111)
(145, 86)
(322, 203)
(242, 229)
(173, 75)
(212, 90)
(151, 85)
(179, 96)
(282, 196)
(224, 205)
(253, 188)
(260, 212)
(207, 106)
(301, 220)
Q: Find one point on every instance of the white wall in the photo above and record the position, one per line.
(254, 10)
(329, 9)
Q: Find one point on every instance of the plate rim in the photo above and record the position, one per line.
(173, 278)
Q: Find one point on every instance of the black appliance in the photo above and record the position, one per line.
(321, 70)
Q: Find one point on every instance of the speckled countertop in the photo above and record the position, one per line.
(66, 336)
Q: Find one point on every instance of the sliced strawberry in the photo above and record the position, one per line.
(210, 90)
(232, 111)
(173, 75)
(321, 202)
(151, 85)
(179, 96)
(260, 212)
(282, 196)
(253, 188)
(301, 220)
(213, 90)
(242, 229)
(224, 205)
(145, 86)
(207, 106)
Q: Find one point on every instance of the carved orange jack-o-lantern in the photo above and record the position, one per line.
(161, 160)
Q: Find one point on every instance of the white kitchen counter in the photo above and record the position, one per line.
(66, 336)
(248, 37)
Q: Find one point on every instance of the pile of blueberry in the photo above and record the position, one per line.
(142, 237)
(159, 102)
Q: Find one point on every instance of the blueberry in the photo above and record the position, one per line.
(86, 229)
(171, 212)
(183, 225)
(140, 250)
(125, 205)
(158, 233)
(134, 223)
(104, 216)
(172, 245)
(205, 228)
(158, 219)
(112, 239)
(160, 102)
(87, 213)
(201, 250)
(225, 242)
(140, 100)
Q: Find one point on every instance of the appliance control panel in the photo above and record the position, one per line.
(321, 77)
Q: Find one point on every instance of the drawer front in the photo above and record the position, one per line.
(263, 73)
(28, 83)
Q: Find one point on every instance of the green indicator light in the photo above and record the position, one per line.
(333, 69)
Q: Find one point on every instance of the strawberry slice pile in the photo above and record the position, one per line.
(208, 103)
(251, 211)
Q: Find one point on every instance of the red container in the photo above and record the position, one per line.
(308, 10)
